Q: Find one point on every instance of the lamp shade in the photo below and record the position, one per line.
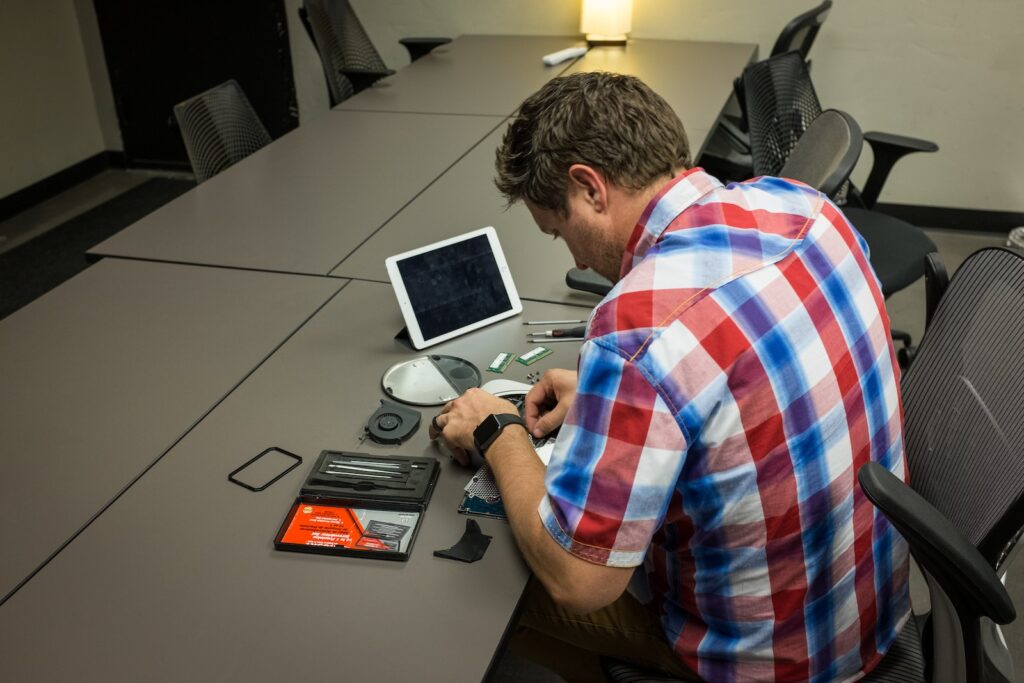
(606, 19)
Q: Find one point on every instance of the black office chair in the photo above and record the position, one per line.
(964, 438)
(727, 154)
(825, 155)
(964, 509)
(351, 63)
(781, 103)
(823, 158)
(219, 128)
(799, 34)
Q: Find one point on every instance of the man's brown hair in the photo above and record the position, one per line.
(611, 122)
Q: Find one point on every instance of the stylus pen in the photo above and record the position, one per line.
(556, 322)
(543, 340)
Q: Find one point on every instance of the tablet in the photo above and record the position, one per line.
(453, 287)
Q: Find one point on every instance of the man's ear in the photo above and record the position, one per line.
(591, 185)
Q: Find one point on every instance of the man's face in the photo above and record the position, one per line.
(588, 234)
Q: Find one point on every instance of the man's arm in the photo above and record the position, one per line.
(573, 583)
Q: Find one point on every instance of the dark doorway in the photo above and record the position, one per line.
(160, 52)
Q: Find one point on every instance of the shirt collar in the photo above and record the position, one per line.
(675, 197)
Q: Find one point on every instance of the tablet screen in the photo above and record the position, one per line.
(454, 286)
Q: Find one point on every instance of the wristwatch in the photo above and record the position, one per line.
(488, 430)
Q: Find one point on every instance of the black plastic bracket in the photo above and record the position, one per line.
(233, 480)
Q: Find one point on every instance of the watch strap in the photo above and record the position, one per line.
(503, 420)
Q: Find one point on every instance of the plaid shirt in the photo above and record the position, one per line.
(731, 385)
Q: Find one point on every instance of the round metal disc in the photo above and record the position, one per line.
(430, 380)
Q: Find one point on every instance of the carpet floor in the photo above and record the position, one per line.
(34, 268)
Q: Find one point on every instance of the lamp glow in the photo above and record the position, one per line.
(606, 22)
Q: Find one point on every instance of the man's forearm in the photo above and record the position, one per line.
(520, 476)
(571, 582)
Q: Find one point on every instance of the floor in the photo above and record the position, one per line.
(906, 310)
(65, 206)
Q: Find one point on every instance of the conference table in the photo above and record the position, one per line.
(251, 312)
(179, 579)
(472, 75)
(303, 203)
(102, 375)
(537, 263)
(309, 201)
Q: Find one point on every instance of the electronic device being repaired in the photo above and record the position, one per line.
(360, 504)
(430, 380)
(481, 495)
(392, 423)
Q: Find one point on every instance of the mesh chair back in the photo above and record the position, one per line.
(220, 128)
(799, 34)
(826, 153)
(964, 427)
(781, 104)
(342, 43)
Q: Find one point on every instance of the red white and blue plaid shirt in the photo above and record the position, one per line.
(731, 385)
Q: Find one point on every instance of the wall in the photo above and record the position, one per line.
(99, 78)
(48, 120)
(947, 70)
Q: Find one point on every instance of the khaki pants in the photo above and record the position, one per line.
(570, 644)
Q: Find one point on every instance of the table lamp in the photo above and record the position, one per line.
(606, 22)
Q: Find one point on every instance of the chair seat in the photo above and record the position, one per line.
(898, 249)
(904, 662)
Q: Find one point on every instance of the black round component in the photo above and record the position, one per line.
(392, 423)
(388, 421)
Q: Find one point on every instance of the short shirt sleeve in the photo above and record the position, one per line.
(615, 464)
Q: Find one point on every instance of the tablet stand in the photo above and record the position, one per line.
(404, 339)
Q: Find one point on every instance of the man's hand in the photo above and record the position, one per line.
(459, 418)
(549, 401)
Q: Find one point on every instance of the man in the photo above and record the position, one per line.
(729, 388)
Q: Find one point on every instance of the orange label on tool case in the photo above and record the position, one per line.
(324, 525)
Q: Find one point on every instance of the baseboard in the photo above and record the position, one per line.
(950, 218)
(58, 182)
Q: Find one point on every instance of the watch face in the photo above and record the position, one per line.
(486, 432)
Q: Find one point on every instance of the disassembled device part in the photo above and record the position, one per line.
(392, 423)
(531, 357)
(471, 547)
(430, 380)
(501, 362)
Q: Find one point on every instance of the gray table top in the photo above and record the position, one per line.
(180, 576)
(461, 200)
(465, 199)
(102, 375)
(304, 202)
(695, 78)
(470, 75)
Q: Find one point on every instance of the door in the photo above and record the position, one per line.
(161, 52)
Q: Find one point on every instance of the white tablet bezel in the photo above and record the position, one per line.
(403, 297)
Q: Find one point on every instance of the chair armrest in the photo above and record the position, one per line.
(936, 280)
(418, 47)
(939, 547)
(364, 78)
(888, 149)
(587, 281)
